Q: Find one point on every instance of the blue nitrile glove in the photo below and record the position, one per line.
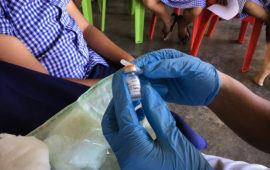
(179, 77)
(131, 143)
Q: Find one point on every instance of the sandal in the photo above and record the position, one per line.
(166, 35)
(186, 38)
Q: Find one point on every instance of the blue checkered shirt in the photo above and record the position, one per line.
(50, 34)
(185, 3)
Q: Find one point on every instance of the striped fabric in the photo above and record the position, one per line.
(202, 3)
(50, 34)
(185, 3)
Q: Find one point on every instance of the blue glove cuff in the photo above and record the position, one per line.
(216, 89)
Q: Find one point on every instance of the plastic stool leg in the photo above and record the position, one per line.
(87, 10)
(242, 33)
(177, 10)
(131, 7)
(212, 26)
(139, 21)
(100, 5)
(152, 26)
(256, 30)
(154, 20)
(196, 24)
(204, 19)
(103, 14)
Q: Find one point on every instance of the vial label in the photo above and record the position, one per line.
(134, 88)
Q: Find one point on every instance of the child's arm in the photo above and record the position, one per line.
(96, 39)
(247, 114)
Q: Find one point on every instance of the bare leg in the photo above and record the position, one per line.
(265, 70)
(159, 8)
(259, 12)
(188, 16)
(255, 10)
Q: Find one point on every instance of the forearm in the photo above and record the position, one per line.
(86, 82)
(104, 46)
(247, 114)
(96, 39)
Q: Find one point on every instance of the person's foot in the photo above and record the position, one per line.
(168, 27)
(260, 77)
(183, 31)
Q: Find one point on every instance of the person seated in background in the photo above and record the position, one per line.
(192, 9)
(260, 10)
(175, 77)
(54, 38)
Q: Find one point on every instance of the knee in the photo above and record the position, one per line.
(148, 3)
(250, 6)
(194, 12)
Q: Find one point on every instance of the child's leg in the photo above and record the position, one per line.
(255, 10)
(188, 16)
(259, 12)
(29, 98)
(265, 70)
(159, 8)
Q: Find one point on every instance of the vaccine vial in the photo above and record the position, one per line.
(133, 82)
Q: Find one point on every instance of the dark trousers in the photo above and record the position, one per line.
(29, 98)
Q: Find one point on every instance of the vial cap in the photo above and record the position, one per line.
(130, 68)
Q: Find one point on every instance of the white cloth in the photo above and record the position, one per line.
(23, 153)
(226, 12)
(220, 163)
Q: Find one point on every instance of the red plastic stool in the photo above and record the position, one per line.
(199, 27)
(154, 20)
(202, 22)
(177, 11)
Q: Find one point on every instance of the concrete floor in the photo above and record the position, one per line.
(221, 50)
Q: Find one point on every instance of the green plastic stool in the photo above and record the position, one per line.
(137, 7)
(87, 11)
(102, 9)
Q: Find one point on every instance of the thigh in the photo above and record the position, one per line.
(256, 10)
(259, 12)
(194, 12)
(185, 3)
(29, 98)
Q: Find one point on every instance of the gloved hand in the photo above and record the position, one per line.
(131, 143)
(180, 78)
